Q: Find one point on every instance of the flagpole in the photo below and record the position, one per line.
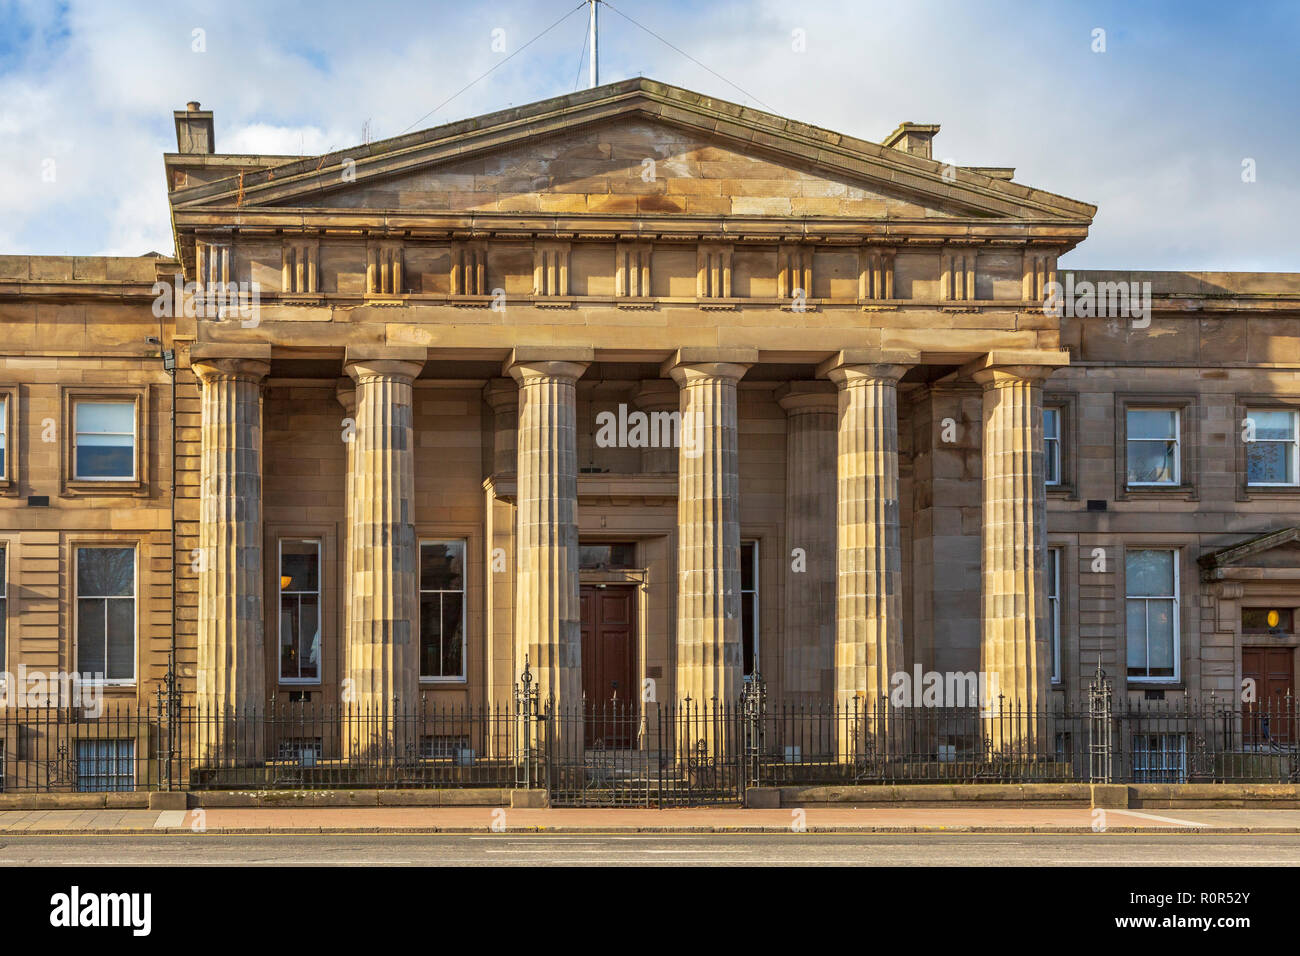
(595, 59)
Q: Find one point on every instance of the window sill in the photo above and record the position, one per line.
(443, 681)
(1155, 492)
(85, 488)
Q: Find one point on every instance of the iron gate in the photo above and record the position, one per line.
(646, 755)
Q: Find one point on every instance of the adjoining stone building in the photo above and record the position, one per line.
(445, 437)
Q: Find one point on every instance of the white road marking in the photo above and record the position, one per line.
(1152, 816)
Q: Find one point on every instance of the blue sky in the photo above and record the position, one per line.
(1154, 130)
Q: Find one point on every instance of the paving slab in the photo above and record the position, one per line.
(692, 820)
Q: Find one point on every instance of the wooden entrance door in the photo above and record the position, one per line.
(609, 664)
(1269, 718)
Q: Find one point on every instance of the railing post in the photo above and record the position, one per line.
(1100, 702)
(753, 708)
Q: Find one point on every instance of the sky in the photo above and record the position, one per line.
(1178, 120)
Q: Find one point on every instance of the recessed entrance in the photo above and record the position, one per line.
(609, 664)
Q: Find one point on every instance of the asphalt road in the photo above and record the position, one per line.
(819, 849)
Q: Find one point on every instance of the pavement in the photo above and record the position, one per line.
(722, 819)
(677, 850)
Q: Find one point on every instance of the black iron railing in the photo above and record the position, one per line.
(643, 754)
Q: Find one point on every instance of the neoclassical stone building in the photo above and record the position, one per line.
(648, 387)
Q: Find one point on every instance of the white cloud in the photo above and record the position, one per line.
(1154, 139)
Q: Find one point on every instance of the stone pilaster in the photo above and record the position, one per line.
(659, 399)
(231, 652)
(547, 612)
(868, 591)
(810, 490)
(381, 660)
(1014, 652)
(709, 652)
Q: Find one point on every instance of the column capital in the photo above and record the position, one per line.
(1009, 366)
(393, 362)
(849, 376)
(530, 364)
(689, 365)
(215, 369)
(1002, 376)
(501, 393)
(345, 390)
(656, 395)
(807, 397)
(857, 366)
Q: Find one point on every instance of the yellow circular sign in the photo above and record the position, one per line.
(1273, 618)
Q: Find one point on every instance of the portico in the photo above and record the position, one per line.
(451, 400)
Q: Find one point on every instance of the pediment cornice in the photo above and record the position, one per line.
(971, 194)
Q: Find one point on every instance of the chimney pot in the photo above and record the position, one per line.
(192, 106)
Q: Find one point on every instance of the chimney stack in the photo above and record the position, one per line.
(914, 138)
(194, 129)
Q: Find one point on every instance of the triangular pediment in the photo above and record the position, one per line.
(628, 166)
(1275, 549)
(634, 148)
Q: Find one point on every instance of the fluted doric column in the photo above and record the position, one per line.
(1014, 653)
(660, 400)
(231, 652)
(381, 660)
(345, 390)
(810, 489)
(547, 612)
(502, 396)
(868, 588)
(710, 662)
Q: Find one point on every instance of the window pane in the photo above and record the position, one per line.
(452, 622)
(1051, 461)
(90, 636)
(300, 563)
(747, 567)
(442, 565)
(106, 572)
(308, 636)
(105, 417)
(1053, 572)
(1270, 462)
(1151, 461)
(105, 440)
(1051, 423)
(1256, 620)
(1160, 638)
(598, 557)
(104, 461)
(430, 635)
(1274, 425)
(1149, 573)
(121, 639)
(1136, 635)
(748, 637)
(288, 631)
(1152, 423)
